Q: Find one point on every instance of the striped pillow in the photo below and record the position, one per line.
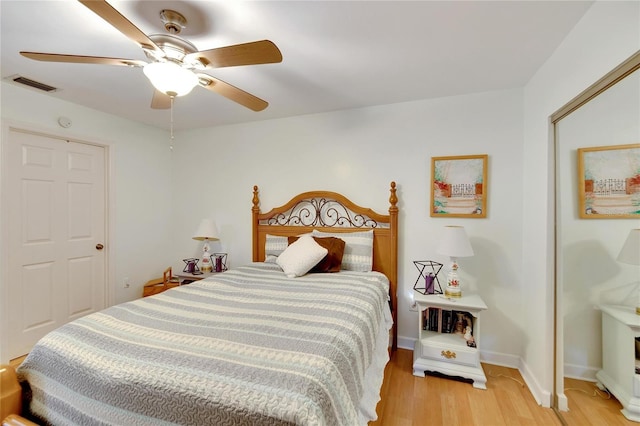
(358, 249)
(274, 246)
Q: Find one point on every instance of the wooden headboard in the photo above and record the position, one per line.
(333, 212)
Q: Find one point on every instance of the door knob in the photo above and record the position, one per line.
(99, 246)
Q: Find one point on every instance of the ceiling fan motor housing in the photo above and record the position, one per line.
(174, 48)
(173, 21)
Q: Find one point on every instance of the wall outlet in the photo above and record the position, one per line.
(125, 282)
(413, 307)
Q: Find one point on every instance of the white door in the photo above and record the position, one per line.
(56, 213)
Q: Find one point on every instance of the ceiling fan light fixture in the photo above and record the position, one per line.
(170, 78)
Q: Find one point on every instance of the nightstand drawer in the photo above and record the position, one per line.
(445, 350)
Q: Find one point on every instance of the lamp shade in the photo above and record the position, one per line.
(630, 252)
(455, 243)
(170, 78)
(207, 231)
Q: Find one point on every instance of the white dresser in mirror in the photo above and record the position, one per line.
(620, 366)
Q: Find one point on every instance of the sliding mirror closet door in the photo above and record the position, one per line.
(588, 276)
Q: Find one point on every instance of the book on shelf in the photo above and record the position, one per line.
(434, 316)
(437, 319)
(447, 321)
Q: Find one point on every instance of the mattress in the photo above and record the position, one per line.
(245, 347)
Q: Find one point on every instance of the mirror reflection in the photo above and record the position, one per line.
(597, 287)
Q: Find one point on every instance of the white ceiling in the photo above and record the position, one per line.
(336, 54)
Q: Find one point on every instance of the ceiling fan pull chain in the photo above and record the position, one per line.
(171, 146)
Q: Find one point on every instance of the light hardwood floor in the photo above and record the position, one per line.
(408, 400)
(588, 406)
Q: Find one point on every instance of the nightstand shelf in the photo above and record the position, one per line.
(448, 353)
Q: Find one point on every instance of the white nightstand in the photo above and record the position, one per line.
(448, 353)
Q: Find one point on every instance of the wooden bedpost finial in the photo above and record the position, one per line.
(256, 199)
(393, 198)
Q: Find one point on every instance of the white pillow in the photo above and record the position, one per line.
(301, 256)
(358, 249)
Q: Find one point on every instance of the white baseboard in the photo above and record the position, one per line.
(542, 396)
(504, 360)
(581, 372)
(563, 402)
(406, 343)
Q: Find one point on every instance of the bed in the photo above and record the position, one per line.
(255, 345)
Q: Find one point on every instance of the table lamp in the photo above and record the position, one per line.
(207, 231)
(630, 254)
(454, 243)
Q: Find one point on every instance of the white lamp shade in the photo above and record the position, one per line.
(455, 243)
(170, 78)
(630, 252)
(207, 231)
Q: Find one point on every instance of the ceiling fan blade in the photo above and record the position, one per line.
(231, 92)
(122, 24)
(253, 53)
(78, 59)
(160, 100)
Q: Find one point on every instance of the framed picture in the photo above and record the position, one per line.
(609, 182)
(459, 186)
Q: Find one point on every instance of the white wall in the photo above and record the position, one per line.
(608, 34)
(139, 187)
(357, 153)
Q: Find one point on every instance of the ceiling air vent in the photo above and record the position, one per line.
(32, 83)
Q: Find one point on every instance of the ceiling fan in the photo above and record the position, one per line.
(176, 64)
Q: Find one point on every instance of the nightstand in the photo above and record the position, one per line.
(440, 346)
(159, 285)
(186, 277)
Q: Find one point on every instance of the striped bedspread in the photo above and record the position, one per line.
(246, 347)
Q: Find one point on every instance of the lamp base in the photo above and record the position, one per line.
(453, 282)
(206, 265)
(450, 291)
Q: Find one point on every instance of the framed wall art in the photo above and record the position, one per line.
(459, 186)
(609, 182)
